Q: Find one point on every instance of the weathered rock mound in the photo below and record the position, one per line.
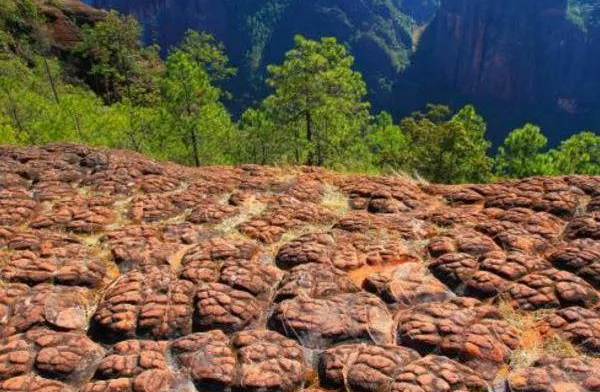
(119, 274)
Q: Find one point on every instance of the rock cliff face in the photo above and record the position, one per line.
(121, 274)
(65, 18)
(514, 51)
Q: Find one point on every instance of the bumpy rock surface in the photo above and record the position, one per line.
(557, 375)
(121, 274)
(460, 328)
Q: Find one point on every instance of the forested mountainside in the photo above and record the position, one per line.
(538, 59)
(535, 60)
(380, 33)
(71, 72)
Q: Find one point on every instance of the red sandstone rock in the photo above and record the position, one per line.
(318, 323)
(62, 307)
(557, 375)
(407, 286)
(314, 280)
(155, 304)
(461, 328)
(578, 325)
(70, 265)
(201, 290)
(362, 367)
(68, 356)
(582, 257)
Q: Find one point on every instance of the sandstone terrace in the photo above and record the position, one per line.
(119, 273)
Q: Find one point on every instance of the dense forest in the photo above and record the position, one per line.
(109, 89)
(517, 61)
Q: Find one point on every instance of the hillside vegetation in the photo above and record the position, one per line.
(108, 89)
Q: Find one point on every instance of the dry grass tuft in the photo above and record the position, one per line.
(251, 208)
(335, 200)
(291, 235)
(532, 345)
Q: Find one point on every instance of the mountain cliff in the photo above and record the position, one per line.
(540, 57)
(518, 61)
(379, 33)
(514, 51)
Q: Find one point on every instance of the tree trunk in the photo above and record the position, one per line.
(51, 79)
(309, 138)
(195, 147)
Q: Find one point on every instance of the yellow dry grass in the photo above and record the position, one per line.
(532, 344)
(334, 200)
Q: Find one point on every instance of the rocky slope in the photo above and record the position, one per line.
(64, 19)
(123, 274)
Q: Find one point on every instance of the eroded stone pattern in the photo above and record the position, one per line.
(439, 374)
(487, 275)
(32, 383)
(70, 265)
(269, 361)
(314, 280)
(68, 356)
(401, 225)
(552, 288)
(586, 226)
(62, 307)
(133, 365)
(321, 322)
(209, 358)
(383, 195)
(154, 303)
(461, 328)
(178, 271)
(212, 212)
(582, 257)
(143, 246)
(34, 240)
(79, 215)
(342, 250)
(549, 194)
(407, 286)
(223, 307)
(16, 206)
(257, 360)
(551, 374)
(362, 367)
(285, 214)
(578, 325)
(203, 262)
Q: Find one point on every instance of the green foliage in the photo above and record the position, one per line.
(258, 140)
(199, 127)
(389, 144)
(21, 32)
(580, 154)
(42, 109)
(119, 68)
(521, 154)
(315, 114)
(317, 104)
(209, 54)
(448, 148)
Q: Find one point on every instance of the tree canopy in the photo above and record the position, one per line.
(123, 95)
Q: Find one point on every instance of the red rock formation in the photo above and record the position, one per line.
(65, 18)
(112, 283)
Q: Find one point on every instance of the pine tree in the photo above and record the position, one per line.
(318, 104)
